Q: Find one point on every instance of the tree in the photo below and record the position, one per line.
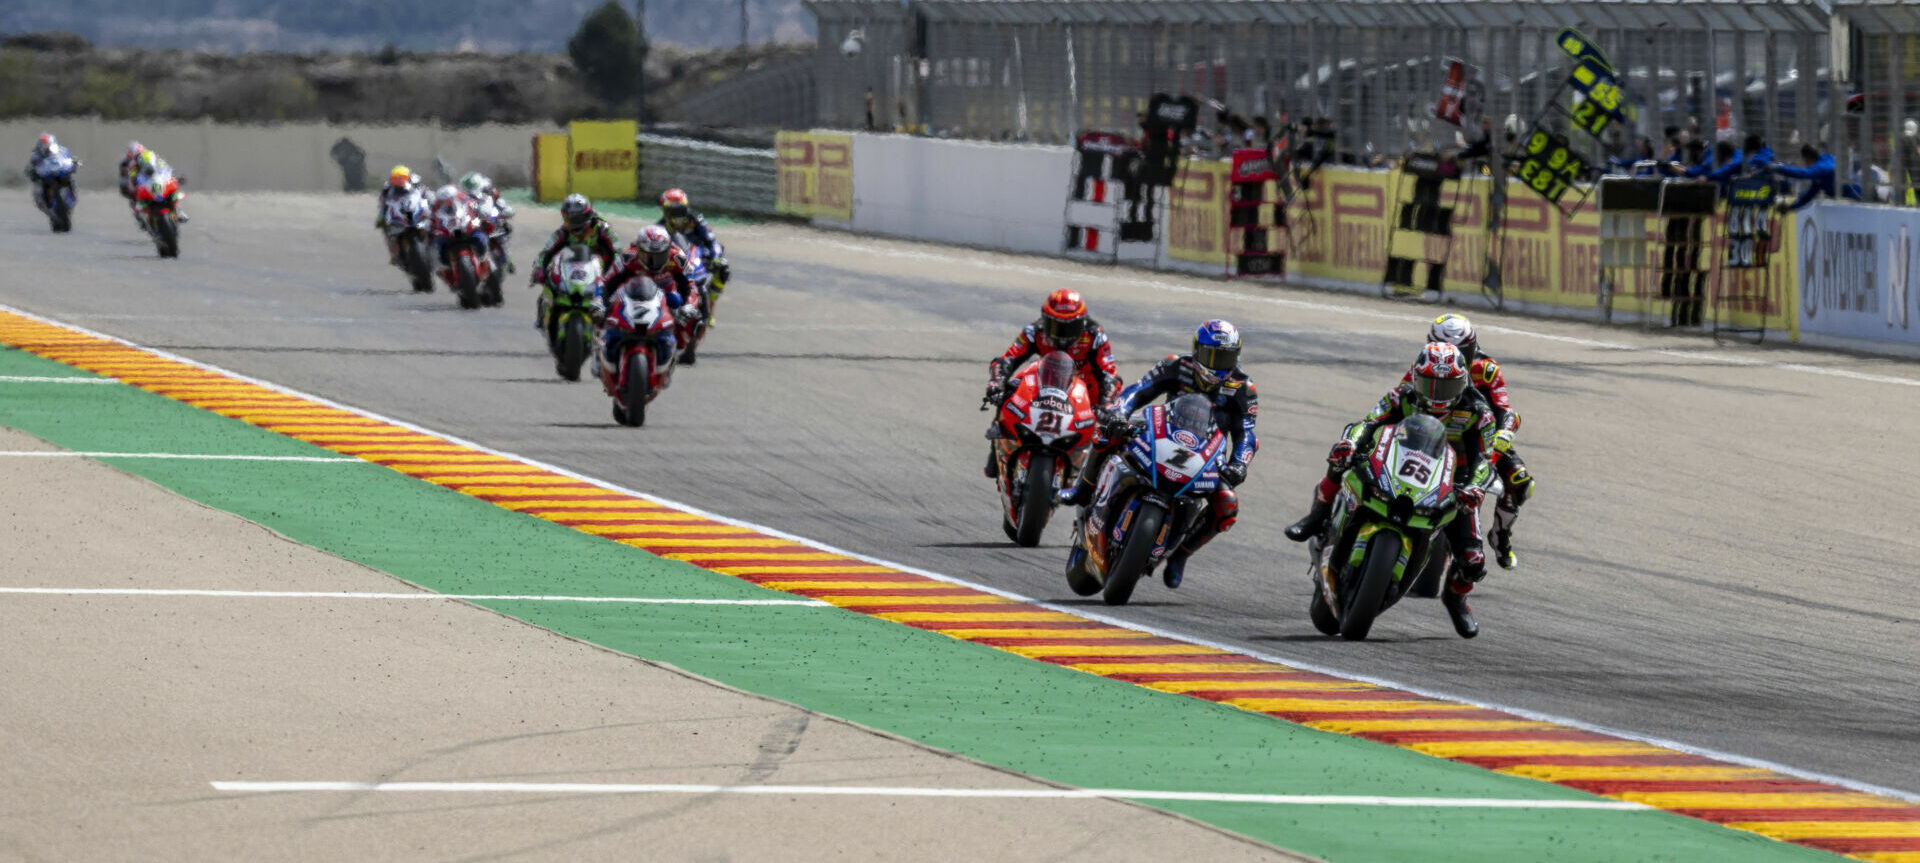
(606, 50)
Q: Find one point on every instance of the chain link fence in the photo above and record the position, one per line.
(1043, 70)
(777, 95)
(716, 177)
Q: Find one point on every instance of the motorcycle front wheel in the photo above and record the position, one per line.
(1135, 555)
(1037, 505)
(1366, 598)
(571, 351)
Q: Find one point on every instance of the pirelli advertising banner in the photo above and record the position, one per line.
(604, 159)
(814, 175)
(1550, 258)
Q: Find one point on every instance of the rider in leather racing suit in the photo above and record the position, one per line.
(45, 150)
(147, 164)
(454, 213)
(1439, 388)
(130, 168)
(494, 213)
(400, 182)
(1484, 374)
(654, 258)
(677, 215)
(1213, 371)
(1063, 326)
(581, 226)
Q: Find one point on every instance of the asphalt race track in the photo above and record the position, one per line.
(1721, 552)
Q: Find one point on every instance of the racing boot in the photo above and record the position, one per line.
(1080, 493)
(1311, 526)
(1176, 569)
(1455, 599)
(1502, 542)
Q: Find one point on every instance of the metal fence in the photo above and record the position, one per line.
(1042, 70)
(730, 179)
(777, 95)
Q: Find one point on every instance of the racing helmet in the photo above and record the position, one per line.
(1192, 412)
(1063, 317)
(46, 144)
(400, 176)
(1439, 377)
(1056, 371)
(1455, 330)
(576, 211)
(148, 161)
(653, 247)
(674, 205)
(134, 149)
(473, 183)
(447, 194)
(1216, 348)
(1421, 433)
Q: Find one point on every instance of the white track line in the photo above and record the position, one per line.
(29, 379)
(1078, 611)
(976, 793)
(1108, 277)
(178, 455)
(348, 594)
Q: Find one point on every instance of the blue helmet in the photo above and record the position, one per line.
(1216, 347)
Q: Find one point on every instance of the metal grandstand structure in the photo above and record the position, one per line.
(1042, 70)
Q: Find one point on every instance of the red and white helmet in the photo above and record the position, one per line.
(1439, 377)
(653, 247)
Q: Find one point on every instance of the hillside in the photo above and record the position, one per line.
(498, 26)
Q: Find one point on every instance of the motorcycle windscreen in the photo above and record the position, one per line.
(1193, 413)
(1056, 371)
(1422, 433)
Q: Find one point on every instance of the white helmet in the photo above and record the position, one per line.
(1455, 330)
(652, 246)
(447, 194)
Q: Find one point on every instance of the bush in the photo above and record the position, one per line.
(606, 49)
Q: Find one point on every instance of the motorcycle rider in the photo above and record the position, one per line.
(149, 163)
(493, 211)
(45, 150)
(1063, 326)
(652, 257)
(1485, 375)
(1438, 386)
(452, 213)
(678, 215)
(129, 168)
(579, 226)
(401, 181)
(1212, 370)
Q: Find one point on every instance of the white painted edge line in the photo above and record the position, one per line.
(29, 379)
(180, 455)
(1057, 273)
(1264, 656)
(347, 594)
(990, 793)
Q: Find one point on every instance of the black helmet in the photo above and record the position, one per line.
(576, 211)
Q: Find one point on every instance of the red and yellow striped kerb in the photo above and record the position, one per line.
(1865, 826)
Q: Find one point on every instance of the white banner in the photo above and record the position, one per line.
(1856, 263)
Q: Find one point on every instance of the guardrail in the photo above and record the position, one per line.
(715, 176)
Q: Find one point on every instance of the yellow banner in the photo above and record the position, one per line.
(604, 159)
(814, 175)
(1549, 259)
(1197, 214)
(550, 159)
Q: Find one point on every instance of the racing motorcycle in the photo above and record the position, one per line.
(701, 277)
(1040, 441)
(1149, 499)
(1387, 530)
(566, 309)
(497, 230)
(409, 225)
(466, 271)
(54, 193)
(640, 315)
(156, 201)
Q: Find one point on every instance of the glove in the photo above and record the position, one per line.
(996, 392)
(1503, 441)
(1469, 496)
(1341, 453)
(688, 314)
(1114, 424)
(721, 271)
(1234, 474)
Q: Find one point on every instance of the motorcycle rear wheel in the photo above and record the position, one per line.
(1135, 555)
(1368, 597)
(1037, 506)
(1322, 614)
(414, 255)
(1081, 579)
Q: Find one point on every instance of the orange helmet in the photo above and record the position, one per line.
(1064, 316)
(674, 204)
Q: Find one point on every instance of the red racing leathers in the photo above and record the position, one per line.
(1092, 359)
